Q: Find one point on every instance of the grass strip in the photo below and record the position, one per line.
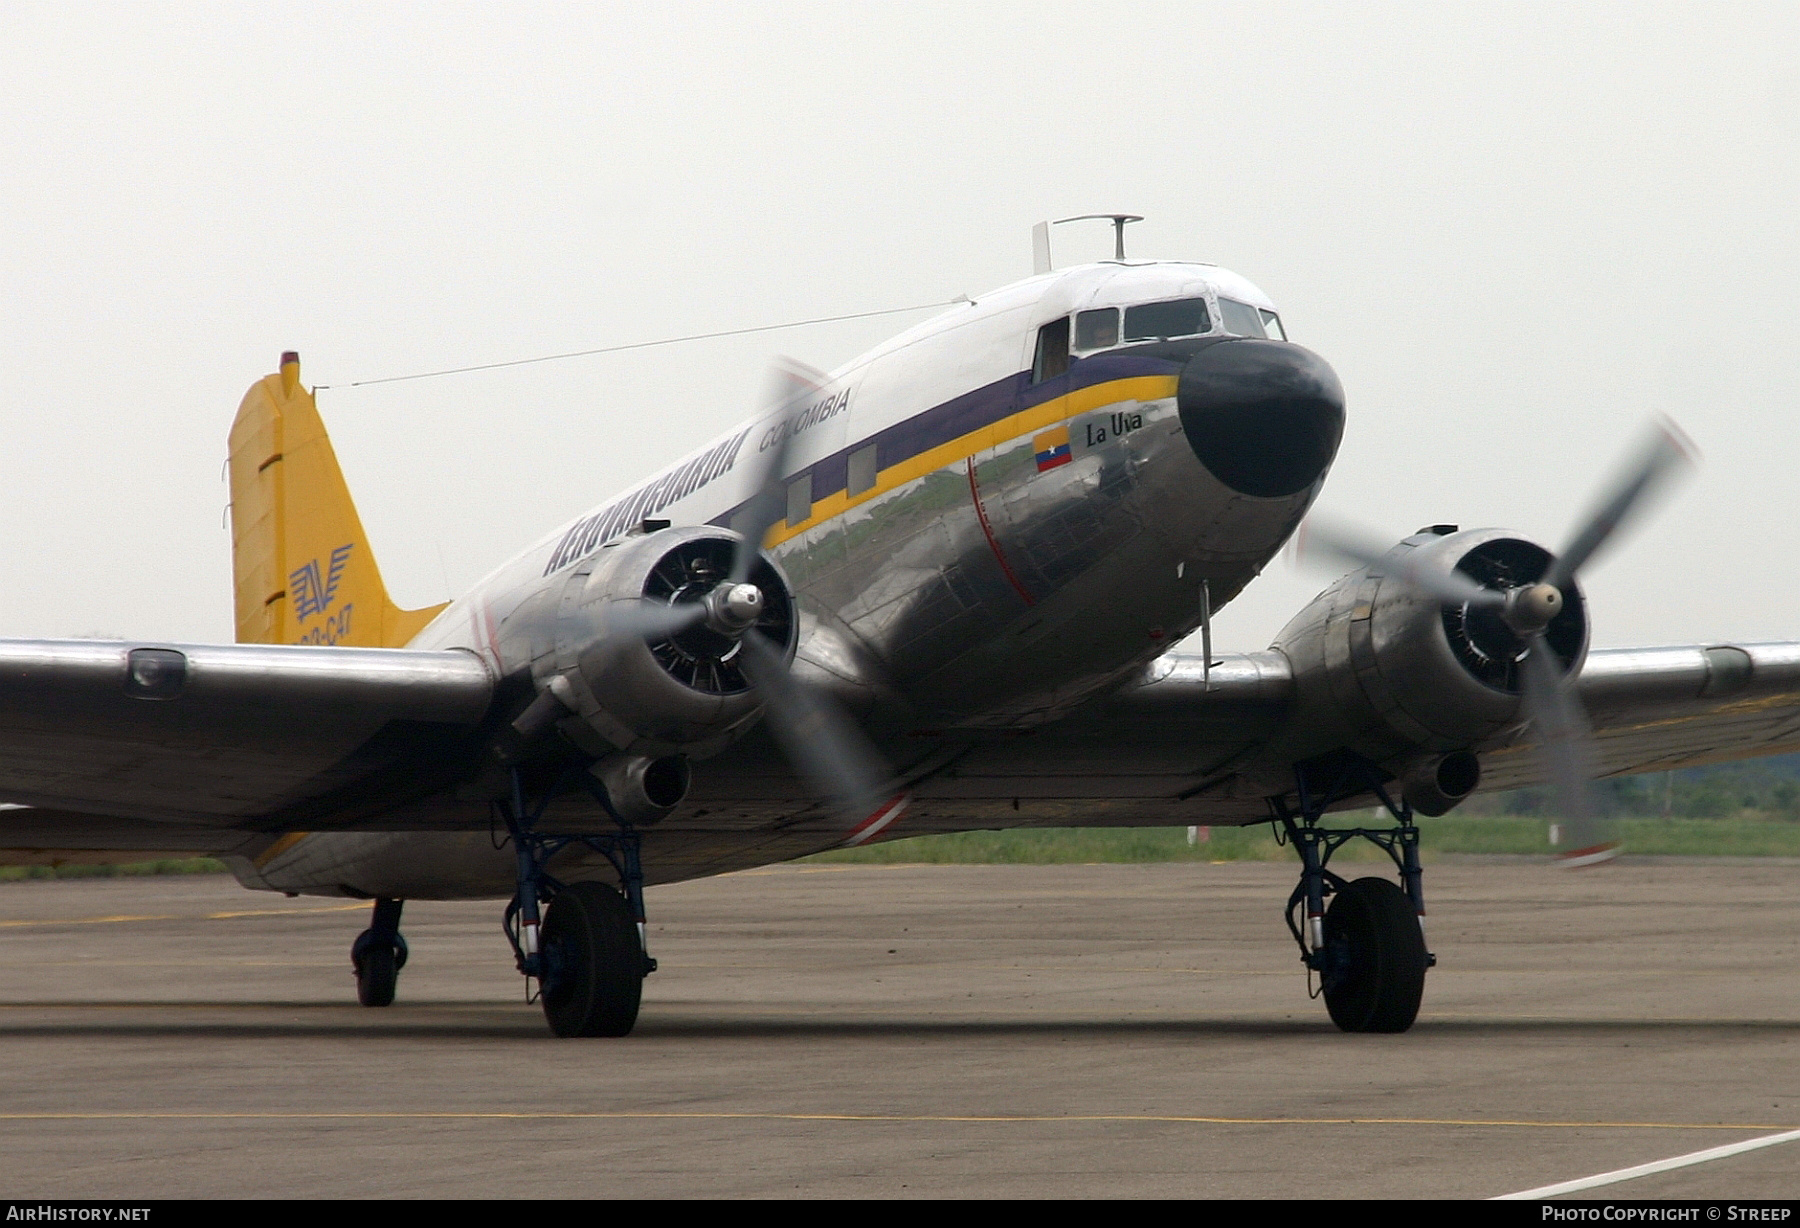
(166, 865)
(1743, 836)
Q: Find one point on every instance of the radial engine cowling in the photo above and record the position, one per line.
(654, 693)
(1385, 669)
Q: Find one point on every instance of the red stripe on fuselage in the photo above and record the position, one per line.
(988, 532)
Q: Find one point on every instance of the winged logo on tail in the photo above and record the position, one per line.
(311, 594)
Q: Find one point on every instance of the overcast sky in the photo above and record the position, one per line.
(1515, 230)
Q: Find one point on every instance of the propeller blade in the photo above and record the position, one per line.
(1323, 537)
(789, 383)
(1565, 744)
(823, 744)
(654, 620)
(819, 739)
(1667, 451)
(1321, 540)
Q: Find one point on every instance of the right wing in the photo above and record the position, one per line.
(30, 836)
(250, 736)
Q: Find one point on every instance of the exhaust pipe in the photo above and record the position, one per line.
(1436, 785)
(643, 790)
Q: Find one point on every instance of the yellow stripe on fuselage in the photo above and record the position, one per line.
(1025, 422)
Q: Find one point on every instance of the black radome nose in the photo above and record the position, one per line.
(1264, 417)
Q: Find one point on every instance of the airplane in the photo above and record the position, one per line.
(937, 589)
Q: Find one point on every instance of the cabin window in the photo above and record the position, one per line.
(1244, 320)
(862, 471)
(799, 493)
(1185, 317)
(1096, 330)
(1052, 357)
(1272, 325)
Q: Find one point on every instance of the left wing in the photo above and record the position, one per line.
(1655, 709)
(1186, 745)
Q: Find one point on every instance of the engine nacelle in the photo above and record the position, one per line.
(1384, 669)
(654, 694)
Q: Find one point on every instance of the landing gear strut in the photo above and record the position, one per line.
(1369, 948)
(588, 952)
(378, 955)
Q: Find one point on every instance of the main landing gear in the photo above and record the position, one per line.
(587, 951)
(378, 955)
(1369, 948)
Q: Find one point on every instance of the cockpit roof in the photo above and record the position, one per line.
(1120, 283)
(1104, 283)
(1019, 308)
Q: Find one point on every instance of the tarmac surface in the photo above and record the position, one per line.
(1044, 1031)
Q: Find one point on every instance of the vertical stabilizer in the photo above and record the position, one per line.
(300, 560)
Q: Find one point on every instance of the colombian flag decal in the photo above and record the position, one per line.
(1052, 448)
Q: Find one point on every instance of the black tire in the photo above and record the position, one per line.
(377, 972)
(594, 962)
(1376, 956)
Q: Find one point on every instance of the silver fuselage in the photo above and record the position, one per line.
(1014, 548)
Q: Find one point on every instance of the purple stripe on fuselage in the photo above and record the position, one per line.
(970, 412)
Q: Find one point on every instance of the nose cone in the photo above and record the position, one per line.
(1264, 417)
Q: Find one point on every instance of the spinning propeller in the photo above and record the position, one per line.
(1560, 726)
(821, 742)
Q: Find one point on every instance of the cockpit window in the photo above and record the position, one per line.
(1244, 320)
(1052, 357)
(1184, 317)
(1096, 330)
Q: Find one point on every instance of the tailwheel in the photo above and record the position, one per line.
(594, 962)
(1375, 958)
(378, 955)
(376, 977)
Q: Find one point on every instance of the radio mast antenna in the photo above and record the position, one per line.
(1040, 236)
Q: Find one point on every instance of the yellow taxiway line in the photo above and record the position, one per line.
(207, 916)
(885, 1118)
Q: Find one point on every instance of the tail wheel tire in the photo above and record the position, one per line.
(376, 974)
(594, 974)
(1376, 958)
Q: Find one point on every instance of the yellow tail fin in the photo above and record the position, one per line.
(301, 562)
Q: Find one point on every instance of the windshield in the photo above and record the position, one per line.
(1244, 320)
(1159, 321)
